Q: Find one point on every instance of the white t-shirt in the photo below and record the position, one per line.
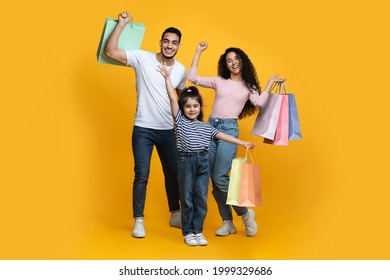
(153, 105)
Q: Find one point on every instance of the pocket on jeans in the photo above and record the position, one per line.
(230, 128)
(182, 160)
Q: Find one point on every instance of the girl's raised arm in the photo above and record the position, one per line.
(165, 70)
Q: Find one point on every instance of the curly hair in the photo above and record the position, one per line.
(191, 92)
(249, 76)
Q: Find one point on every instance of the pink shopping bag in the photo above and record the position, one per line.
(282, 128)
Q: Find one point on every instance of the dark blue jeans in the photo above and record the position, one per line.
(221, 154)
(144, 139)
(193, 177)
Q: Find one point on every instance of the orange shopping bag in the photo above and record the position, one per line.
(250, 187)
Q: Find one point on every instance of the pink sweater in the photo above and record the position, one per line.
(230, 96)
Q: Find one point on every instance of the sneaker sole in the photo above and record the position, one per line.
(230, 232)
(191, 245)
(139, 236)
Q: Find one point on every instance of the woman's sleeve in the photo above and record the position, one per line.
(194, 78)
(259, 100)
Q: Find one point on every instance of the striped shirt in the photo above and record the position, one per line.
(193, 135)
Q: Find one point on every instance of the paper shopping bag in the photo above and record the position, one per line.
(282, 128)
(250, 192)
(130, 39)
(233, 196)
(267, 119)
(294, 129)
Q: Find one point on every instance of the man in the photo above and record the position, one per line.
(153, 123)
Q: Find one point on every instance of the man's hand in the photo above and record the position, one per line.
(124, 17)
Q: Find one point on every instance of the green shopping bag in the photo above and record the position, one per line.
(233, 197)
(130, 39)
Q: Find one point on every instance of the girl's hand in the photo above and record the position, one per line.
(164, 69)
(201, 46)
(249, 145)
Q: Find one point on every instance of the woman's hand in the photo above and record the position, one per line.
(201, 46)
(276, 79)
(273, 79)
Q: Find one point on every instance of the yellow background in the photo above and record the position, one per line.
(66, 159)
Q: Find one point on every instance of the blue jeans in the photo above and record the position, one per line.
(193, 177)
(144, 139)
(221, 154)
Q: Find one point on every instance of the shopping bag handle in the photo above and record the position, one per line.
(286, 88)
(280, 89)
(130, 22)
(247, 151)
(277, 86)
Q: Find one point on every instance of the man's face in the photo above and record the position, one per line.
(169, 45)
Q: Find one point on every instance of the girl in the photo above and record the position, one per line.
(237, 96)
(193, 138)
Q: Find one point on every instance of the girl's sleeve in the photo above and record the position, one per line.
(214, 132)
(193, 77)
(177, 119)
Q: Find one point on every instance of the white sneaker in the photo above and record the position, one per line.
(175, 219)
(249, 222)
(226, 229)
(202, 241)
(138, 230)
(190, 240)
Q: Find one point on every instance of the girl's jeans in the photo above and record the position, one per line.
(193, 177)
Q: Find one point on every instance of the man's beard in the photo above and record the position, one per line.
(168, 57)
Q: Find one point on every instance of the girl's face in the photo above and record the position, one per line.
(233, 63)
(191, 109)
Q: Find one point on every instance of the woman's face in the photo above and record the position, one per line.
(233, 63)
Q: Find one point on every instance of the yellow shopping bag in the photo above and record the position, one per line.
(233, 196)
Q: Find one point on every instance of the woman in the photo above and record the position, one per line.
(237, 96)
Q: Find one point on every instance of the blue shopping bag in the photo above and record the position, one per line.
(294, 127)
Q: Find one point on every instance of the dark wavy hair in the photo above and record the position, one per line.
(191, 92)
(249, 76)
